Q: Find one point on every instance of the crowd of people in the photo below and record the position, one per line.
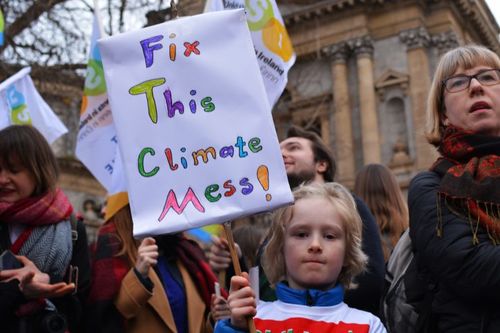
(321, 261)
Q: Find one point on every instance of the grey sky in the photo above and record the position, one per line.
(495, 8)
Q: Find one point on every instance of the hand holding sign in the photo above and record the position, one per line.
(147, 256)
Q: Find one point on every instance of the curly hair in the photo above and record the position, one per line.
(355, 260)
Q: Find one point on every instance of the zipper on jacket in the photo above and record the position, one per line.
(309, 299)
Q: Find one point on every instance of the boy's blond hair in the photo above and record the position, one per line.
(355, 260)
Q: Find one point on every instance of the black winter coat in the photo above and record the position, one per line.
(370, 284)
(467, 298)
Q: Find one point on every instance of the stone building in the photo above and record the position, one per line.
(363, 71)
(361, 79)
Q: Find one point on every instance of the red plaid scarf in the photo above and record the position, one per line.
(193, 258)
(177, 246)
(470, 185)
(108, 271)
(49, 208)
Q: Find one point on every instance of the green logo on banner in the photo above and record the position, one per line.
(94, 81)
(259, 14)
(21, 116)
(19, 110)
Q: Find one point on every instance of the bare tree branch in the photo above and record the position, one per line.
(27, 18)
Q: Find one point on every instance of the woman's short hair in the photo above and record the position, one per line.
(25, 145)
(355, 260)
(464, 57)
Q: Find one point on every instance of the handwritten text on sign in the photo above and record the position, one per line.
(191, 131)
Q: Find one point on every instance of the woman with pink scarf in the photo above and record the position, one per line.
(34, 226)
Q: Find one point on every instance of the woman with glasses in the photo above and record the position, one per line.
(454, 207)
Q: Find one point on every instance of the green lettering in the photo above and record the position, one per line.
(207, 104)
(211, 189)
(254, 145)
(146, 87)
(140, 161)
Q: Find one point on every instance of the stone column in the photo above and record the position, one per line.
(342, 113)
(416, 41)
(363, 48)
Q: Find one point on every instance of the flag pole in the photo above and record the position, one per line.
(98, 17)
(173, 10)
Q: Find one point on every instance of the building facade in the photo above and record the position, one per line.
(363, 71)
(361, 79)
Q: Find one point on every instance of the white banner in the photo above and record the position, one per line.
(97, 142)
(194, 125)
(272, 45)
(21, 104)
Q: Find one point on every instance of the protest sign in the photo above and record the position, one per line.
(273, 47)
(21, 104)
(194, 125)
(97, 142)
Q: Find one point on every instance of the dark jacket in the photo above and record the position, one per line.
(467, 276)
(367, 295)
(370, 284)
(72, 305)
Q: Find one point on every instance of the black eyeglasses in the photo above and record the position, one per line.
(488, 77)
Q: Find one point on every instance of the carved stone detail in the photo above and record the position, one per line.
(400, 157)
(445, 41)
(362, 46)
(391, 78)
(337, 52)
(415, 38)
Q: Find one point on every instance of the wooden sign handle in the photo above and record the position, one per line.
(236, 264)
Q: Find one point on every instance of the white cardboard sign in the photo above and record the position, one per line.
(194, 125)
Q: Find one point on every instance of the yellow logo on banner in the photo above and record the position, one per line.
(261, 17)
(276, 39)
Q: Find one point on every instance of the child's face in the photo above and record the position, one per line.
(314, 245)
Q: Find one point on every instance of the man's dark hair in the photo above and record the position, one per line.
(320, 150)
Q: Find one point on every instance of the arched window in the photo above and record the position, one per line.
(394, 127)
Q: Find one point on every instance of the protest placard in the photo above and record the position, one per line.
(194, 125)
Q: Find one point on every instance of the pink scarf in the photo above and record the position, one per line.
(48, 208)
